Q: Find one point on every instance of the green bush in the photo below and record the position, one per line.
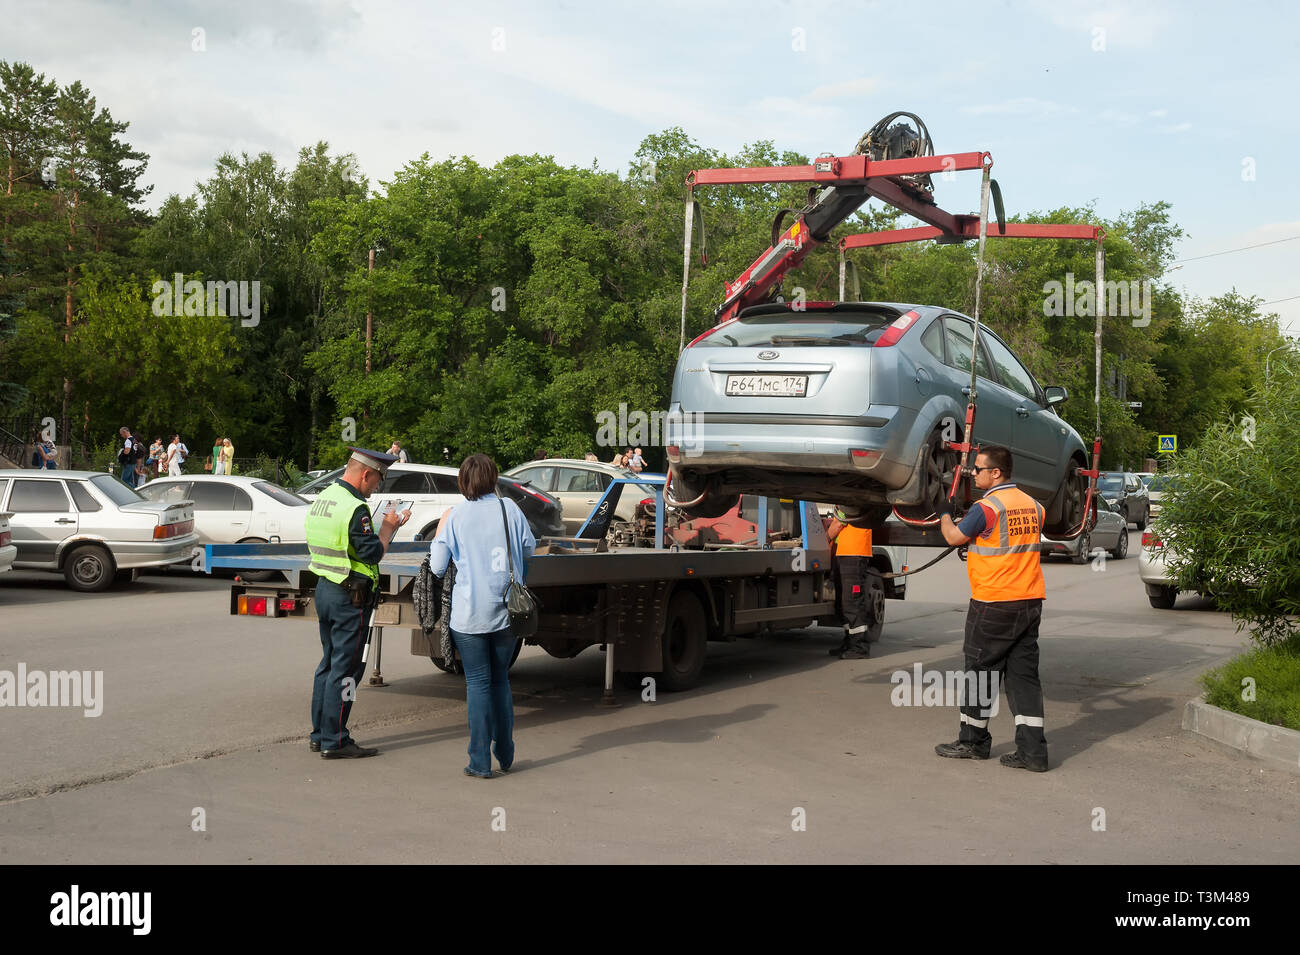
(1231, 523)
(1271, 675)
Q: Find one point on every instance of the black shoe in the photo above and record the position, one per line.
(313, 745)
(350, 751)
(853, 653)
(962, 750)
(1018, 760)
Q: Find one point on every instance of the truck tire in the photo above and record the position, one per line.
(89, 568)
(685, 642)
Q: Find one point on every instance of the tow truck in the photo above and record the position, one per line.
(652, 609)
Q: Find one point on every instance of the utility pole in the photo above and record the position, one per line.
(369, 314)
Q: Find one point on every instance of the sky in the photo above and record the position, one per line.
(1108, 105)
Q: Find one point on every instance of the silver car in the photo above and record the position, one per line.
(578, 486)
(851, 403)
(91, 527)
(1110, 535)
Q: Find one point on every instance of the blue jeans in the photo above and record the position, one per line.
(486, 657)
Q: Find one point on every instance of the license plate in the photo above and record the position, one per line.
(776, 386)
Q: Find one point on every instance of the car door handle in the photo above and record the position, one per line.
(1022, 411)
(65, 520)
(965, 390)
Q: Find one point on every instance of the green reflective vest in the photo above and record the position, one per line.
(332, 556)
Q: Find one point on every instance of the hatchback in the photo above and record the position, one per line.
(851, 403)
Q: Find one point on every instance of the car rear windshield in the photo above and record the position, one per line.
(832, 328)
(1110, 483)
(277, 493)
(115, 490)
(1163, 482)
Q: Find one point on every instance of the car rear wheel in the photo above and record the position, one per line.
(89, 568)
(1162, 598)
(256, 576)
(1142, 524)
(428, 533)
(1080, 556)
(1121, 545)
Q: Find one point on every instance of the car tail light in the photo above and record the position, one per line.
(1149, 539)
(674, 453)
(5, 537)
(179, 529)
(897, 330)
(862, 458)
(710, 331)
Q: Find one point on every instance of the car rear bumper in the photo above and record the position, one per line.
(8, 554)
(1152, 569)
(131, 554)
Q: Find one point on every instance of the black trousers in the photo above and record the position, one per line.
(862, 598)
(1002, 645)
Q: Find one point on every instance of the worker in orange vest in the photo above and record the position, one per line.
(859, 588)
(1007, 592)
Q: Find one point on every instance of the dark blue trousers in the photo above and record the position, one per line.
(338, 675)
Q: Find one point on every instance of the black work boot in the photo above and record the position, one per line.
(1018, 760)
(963, 750)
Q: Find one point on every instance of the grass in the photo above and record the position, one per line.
(1275, 671)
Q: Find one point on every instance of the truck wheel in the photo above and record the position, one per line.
(89, 569)
(685, 639)
(876, 602)
(1162, 598)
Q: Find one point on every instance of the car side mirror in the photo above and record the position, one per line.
(1055, 394)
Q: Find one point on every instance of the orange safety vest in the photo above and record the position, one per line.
(1003, 561)
(853, 542)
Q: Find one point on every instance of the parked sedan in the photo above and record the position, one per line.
(91, 527)
(1156, 489)
(432, 491)
(1128, 492)
(851, 403)
(1110, 535)
(578, 486)
(7, 550)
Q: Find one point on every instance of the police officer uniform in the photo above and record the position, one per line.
(345, 553)
(1007, 592)
(861, 599)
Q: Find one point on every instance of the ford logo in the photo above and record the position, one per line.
(768, 355)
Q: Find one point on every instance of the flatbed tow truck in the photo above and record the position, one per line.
(652, 609)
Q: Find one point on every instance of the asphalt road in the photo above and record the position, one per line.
(203, 711)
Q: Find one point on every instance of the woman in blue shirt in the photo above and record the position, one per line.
(475, 535)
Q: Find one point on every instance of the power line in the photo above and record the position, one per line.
(1277, 300)
(1258, 245)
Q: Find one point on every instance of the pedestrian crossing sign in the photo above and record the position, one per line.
(1168, 443)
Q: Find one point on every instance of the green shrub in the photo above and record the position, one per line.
(1271, 675)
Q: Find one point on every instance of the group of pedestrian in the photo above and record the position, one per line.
(140, 463)
(631, 459)
(222, 460)
(1001, 640)
(45, 455)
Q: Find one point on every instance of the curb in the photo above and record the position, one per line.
(1276, 746)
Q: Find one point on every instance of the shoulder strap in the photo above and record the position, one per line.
(506, 524)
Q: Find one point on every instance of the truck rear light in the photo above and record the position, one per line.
(1149, 539)
(897, 330)
(862, 458)
(288, 604)
(253, 606)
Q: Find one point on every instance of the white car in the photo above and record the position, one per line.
(578, 485)
(230, 509)
(8, 552)
(1162, 590)
(431, 490)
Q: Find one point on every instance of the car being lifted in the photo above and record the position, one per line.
(852, 403)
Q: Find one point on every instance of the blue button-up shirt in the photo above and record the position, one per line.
(474, 536)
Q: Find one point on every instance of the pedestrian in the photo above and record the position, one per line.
(128, 454)
(859, 591)
(539, 454)
(156, 453)
(396, 451)
(472, 538)
(345, 554)
(174, 456)
(46, 453)
(1007, 593)
(637, 462)
(142, 474)
(590, 456)
(227, 456)
(214, 463)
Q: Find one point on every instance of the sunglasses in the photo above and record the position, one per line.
(974, 470)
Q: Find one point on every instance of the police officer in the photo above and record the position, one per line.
(1007, 591)
(861, 598)
(345, 553)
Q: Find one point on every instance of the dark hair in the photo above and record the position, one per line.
(477, 477)
(998, 457)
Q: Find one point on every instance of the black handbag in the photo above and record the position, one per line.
(520, 602)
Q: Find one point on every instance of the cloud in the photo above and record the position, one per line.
(1020, 106)
(863, 86)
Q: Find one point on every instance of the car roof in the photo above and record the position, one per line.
(204, 478)
(47, 473)
(570, 462)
